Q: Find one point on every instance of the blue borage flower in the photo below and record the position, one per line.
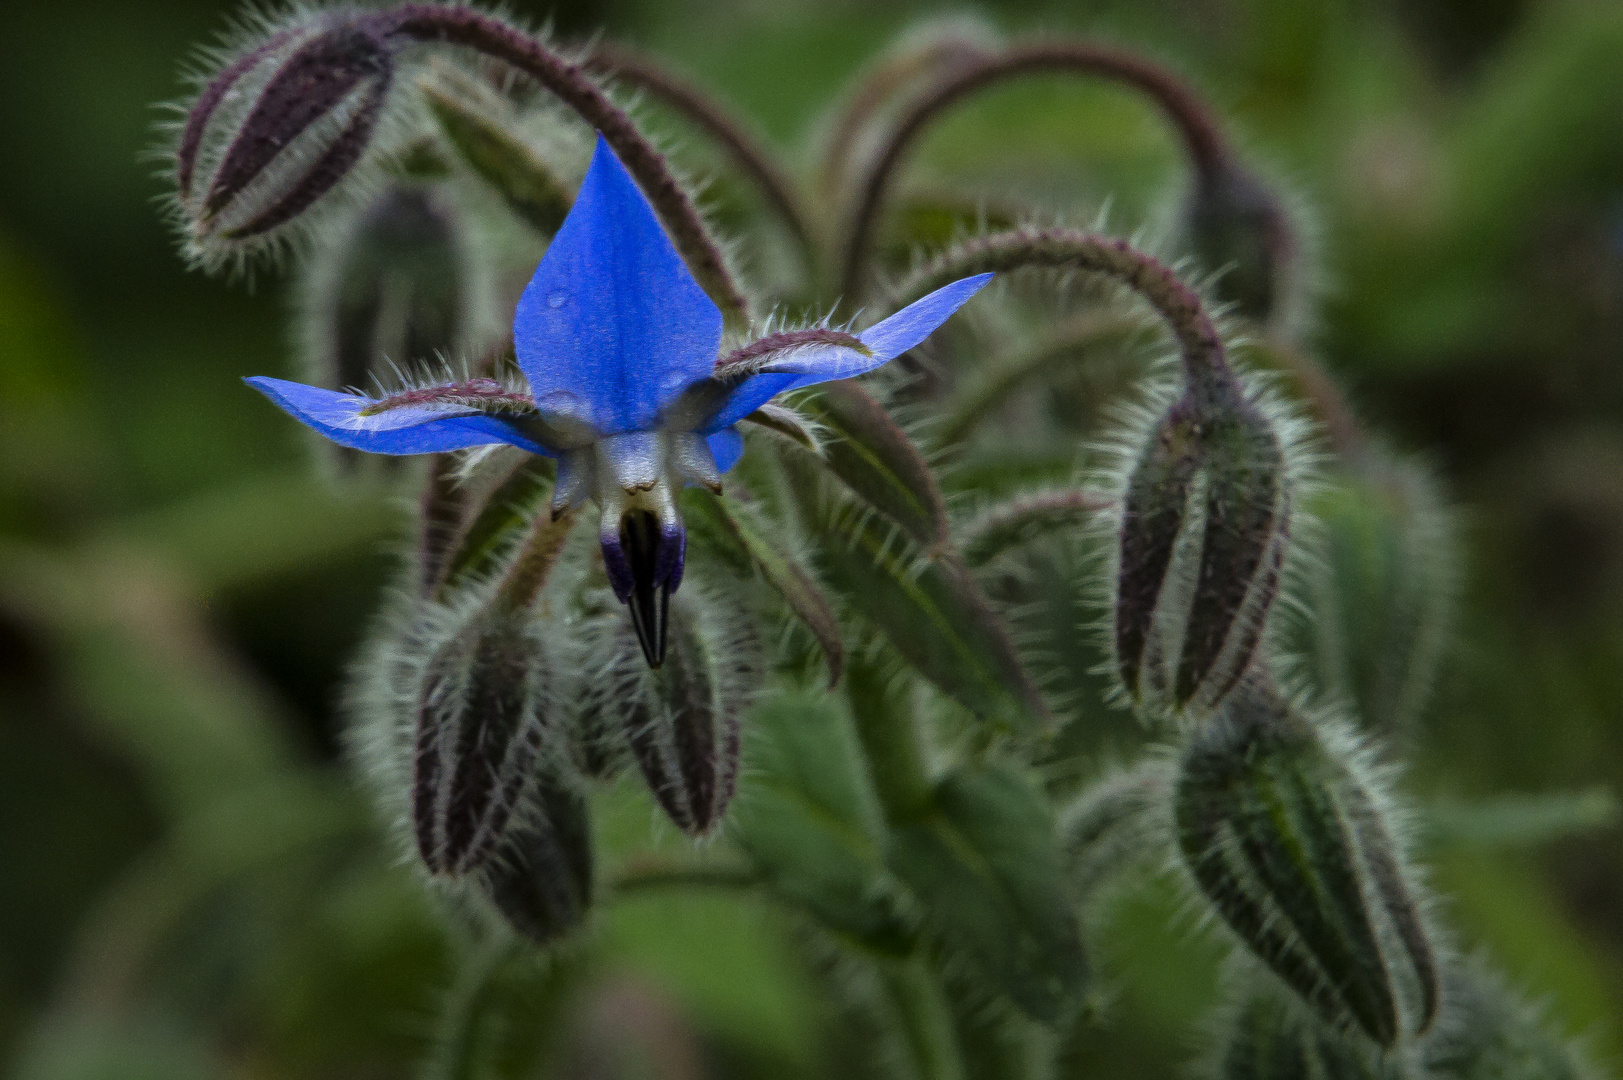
(619, 345)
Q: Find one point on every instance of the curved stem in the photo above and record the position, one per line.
(474, 29)
(744, 146)
(883, 79)
(1196, 125)
(1201, 347)
(1318, 388)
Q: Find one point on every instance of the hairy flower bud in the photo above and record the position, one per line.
(480, 729)
(276, 129)
(541, 876)
(682, 720)
(1269, 1038)
(1239, 227)
(1290, 847)
(1380, 591)
(1489, 1032)
(1204, 525)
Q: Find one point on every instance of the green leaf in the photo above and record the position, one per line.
(811, 823)
(735, 528)
(878, 462)
(987, 868)
(937, 618)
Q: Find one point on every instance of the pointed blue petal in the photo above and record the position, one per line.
(613, 327)
(407, 430)
(813, 364)
(726, 446)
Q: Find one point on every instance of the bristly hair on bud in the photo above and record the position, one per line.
(682, 720)
(482, 718)
(1289, 839)
(1264, 1035)
(274, 128)
(1204, 507)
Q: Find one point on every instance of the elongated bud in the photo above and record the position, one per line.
(541, 876)
(1205, 522)
(1381, 590)
(276, 130)
(1267, 1037)
(683, 726)
(1291, 849)
(480, 729)
(1239, 227)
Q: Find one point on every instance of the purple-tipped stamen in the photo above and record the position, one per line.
(644, 564)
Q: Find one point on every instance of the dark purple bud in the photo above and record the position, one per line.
(684, 730)
(1238, 226)
(541, 876)
(480, 729)
(1204, 526)
(278, 129)
(644, 560)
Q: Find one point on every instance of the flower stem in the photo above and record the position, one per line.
(536, 559)
(744, 146)
(486, 34)
(1208, 151)
(1201, 347)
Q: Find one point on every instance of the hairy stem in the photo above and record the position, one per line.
(1196, 126)
(715, 119)
(1200, 346)
(476, 30)
(536, 559)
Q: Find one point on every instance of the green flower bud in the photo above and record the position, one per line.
(1380, 592)
(1270, 1038)
(1288, 843)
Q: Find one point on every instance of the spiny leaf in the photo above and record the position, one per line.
(987, 868)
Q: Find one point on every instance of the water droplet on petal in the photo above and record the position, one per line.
(557, 300)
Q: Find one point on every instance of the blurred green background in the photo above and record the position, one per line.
(188, 887)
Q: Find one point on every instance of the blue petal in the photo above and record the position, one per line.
(726, 446)
(407, 430)
(613, 327)
(814, 364)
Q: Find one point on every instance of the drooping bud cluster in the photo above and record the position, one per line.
(276, 129)
(1289, 842)
(1205, 522)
